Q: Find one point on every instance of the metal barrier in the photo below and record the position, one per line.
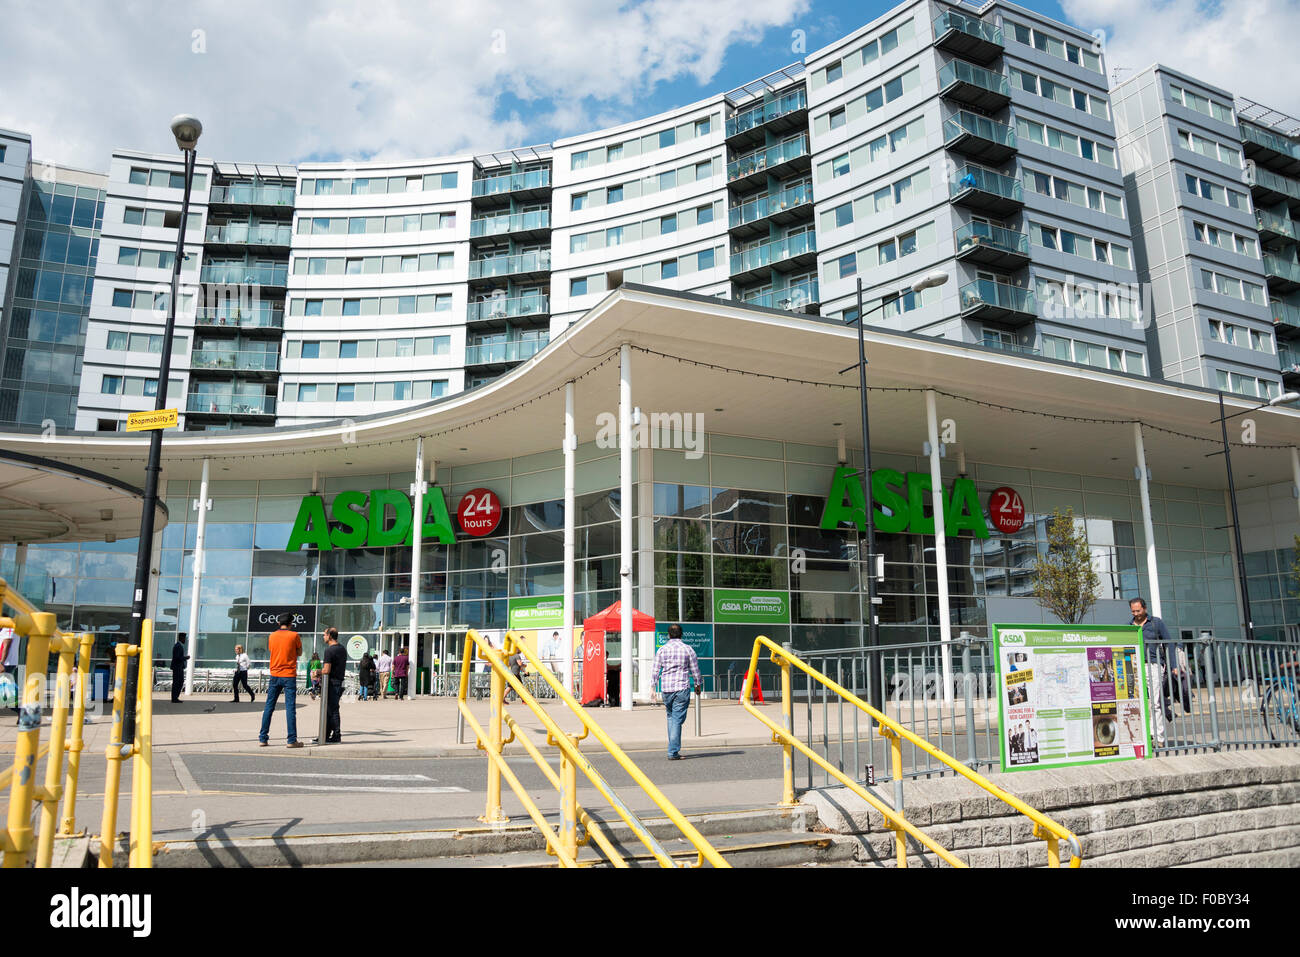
(562, 842)
(784, 735)
(141, 748)
(43, 639)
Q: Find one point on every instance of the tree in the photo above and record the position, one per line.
(1065, 582)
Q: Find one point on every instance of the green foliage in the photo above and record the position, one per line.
(1295, 569)
(1065, 582)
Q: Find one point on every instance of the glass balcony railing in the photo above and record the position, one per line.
(1277, 266)
(1267, 179)
(488, 352)
(496, 225)
(250, 275)
(252, 195)
(764, 159)
(512, 182)
(1014, 348)
(794, 298)
(959, 71)
(763, 206)
(952, 20)
(986, 181)
(507, 265)
(1288, 359)
(503, 308)
(238, 361)
(995, 237)
(1266, 221)
(988, 292)
(773, 252)
(233, 317)
(754, 116)
(261, 234)
(1285, 314)
(226, 403)
(1279, 144)
(964, 121)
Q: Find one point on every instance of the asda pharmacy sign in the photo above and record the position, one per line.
(743, 606)
(899, 503)
(536, 611)
(374, 519)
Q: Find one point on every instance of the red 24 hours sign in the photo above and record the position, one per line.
(1006, 510)
(479, 512)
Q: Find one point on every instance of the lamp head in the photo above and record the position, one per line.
(187, 130)
(1286, 398)
(936, 277)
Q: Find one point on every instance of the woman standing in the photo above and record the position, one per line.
(241, 673)
(365, 675)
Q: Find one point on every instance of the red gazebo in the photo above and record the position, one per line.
(594, 630)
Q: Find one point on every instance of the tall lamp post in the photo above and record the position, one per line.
(187, 130)
(930, 280)
(1283, 399)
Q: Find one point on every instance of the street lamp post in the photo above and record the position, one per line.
(187, 130)
(1283, 399)
(872, 626)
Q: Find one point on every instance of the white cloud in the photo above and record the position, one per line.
(285, 80)
(1244, 46)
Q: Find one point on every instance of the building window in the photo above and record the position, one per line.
(578, 287)
(835, 71)
(578, 201)
(669, 268)
(111, 385)
(837, 118)
(848, 265)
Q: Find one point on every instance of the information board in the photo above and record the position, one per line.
(1070, 695)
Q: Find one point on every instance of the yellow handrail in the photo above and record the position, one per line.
(1044, 827)
(564, 842)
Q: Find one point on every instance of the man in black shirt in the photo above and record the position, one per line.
(335, 664)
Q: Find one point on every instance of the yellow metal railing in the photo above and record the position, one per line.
(1044, 827)
(562, 842)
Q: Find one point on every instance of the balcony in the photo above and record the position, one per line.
(235, 319)
(967, 37)
(536, 223)
(526, 264)
(218, 359)
(777, 115)
(1270, 149)
(502, 353)
(979, 137)
(792, 253)
(1289, 362)
(993, 342)
(990, 301)
(1273, 226)
(1286, 317)
(782, 159)
(240, 274)
(786, 206)
(251, 196)
(248, 234)
(535, 305)
(982, 189)
(797, 297)
(974, 86)
(1282, 272)
(1271, 188)
(992, 246)
(498, 190)
(226, 403)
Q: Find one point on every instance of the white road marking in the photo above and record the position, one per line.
(188, 784)
(353, 787)
(317, 774)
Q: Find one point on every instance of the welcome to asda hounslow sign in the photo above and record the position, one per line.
(904, 496)
(376, 519)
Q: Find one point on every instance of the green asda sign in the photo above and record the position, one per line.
(904, 497)
(743, 606)
(377, 519)
(536, 611)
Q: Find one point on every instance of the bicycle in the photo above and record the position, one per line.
(1279, 704)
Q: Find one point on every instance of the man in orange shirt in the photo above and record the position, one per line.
(286, 647)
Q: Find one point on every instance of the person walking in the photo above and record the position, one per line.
(676, 665)
(9, 661)
(336, 666)
(1155, 637)
(241, 674)
(385, 668)
(286, 648)
(401, 666)
(313, 675)
(179, 657)
(365, 675)
(517, 662)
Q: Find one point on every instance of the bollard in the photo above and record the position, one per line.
(493, 814)
(966, 640)
(53, 790)
(75, 745)
(787, 721)
(569, 801)
(22, 787)
(114, 756)
(1207, 639)
(460, 727)
(698, 699)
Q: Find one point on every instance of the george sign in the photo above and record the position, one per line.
(899, 503)
(479, 512)
(153, 419)
(535, 611)
(262, 618)
(377, 519)
(697, 636)
(743, 606)
(1006, 510)
(357, 647)
(1070, 695)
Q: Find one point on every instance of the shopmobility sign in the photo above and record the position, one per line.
(377, 519)
(899, 503)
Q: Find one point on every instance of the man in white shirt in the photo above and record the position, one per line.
(384, 666)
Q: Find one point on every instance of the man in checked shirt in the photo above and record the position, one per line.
(677, 665)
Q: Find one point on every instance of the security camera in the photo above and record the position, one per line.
(625, 571)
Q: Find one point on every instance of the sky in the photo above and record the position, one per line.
(299, 80)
